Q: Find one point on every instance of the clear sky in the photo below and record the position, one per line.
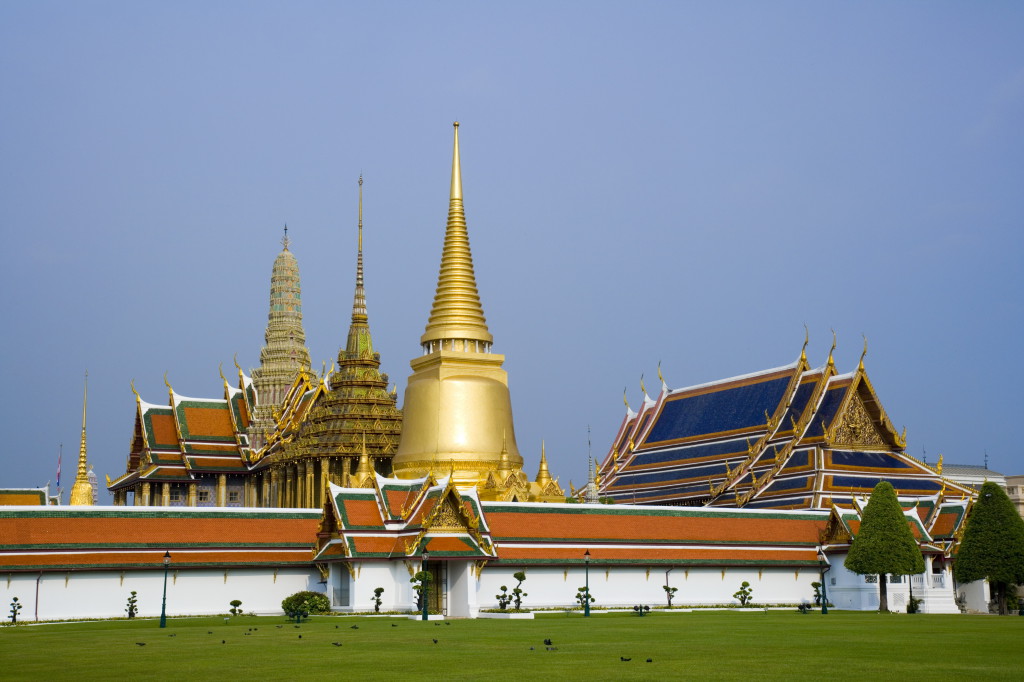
(688, 183)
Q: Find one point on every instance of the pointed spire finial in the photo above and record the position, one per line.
(456, 192)
(803, 351)
(642, 387)
(457, 319)
(284, 240)
(82, 490)
(860, 367)
(831, 361)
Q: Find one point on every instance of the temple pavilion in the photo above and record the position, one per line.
(793, 437)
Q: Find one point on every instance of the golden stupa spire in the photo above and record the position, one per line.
(359, 301)
(81, 491)
(457, 319)
(543, 475)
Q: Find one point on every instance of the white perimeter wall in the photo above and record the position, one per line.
(548, 587)
(104, 594)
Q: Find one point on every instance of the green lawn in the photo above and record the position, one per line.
(702, 645)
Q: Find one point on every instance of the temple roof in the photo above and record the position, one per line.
(785, 438)
(75, 538)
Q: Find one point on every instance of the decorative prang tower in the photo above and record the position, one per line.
(457, 410)
(285, 354)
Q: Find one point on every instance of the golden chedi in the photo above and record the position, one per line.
(457, 411)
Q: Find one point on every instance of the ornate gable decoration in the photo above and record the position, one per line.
(855, 427)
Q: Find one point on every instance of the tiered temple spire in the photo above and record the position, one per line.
(352, 415)
(285, 353)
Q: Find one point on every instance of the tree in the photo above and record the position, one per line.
(744, 593)
(993, 544)
(517, 591)
(885, 543)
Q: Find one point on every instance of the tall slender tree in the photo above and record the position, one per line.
(884, 544)
(993, 544)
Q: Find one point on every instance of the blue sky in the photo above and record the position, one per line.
(688, 183)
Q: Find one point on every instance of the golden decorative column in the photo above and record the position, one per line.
(192, 496)
(222, 490)
(81, 491)
(165, 494)
(289, 486)
(310, 486)
(145, 494)
(457, 411)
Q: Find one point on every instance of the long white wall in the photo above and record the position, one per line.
(104, 594)
(548, 587)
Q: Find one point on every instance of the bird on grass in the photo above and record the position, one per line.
(548, 642)
(300, 636)
(394, 625)
(447, 623)
(276, 626)
(174, 635)
(531, 648)
(298, 626)
(354, 627)
(650, 660)
(223, 641)
(210, 632)
(435, 641)
(551, 648)
(141, 643)
(623, 658)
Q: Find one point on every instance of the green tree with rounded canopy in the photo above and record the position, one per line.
(993, 544)
(884, 543)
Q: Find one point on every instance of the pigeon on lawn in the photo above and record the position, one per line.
(394, 625)
(435, 641)
(354, 627)
(141, 643)
(223, 641)
(300, 636)
(650, 660)
(548, 642)
(336, 643)
(623, 658)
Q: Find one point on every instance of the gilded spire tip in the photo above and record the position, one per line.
(284, 240)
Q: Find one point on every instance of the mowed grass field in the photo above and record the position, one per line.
(716, 645)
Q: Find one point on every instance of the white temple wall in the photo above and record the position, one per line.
(548, 587)
(104, 594)
(849, 590)
(976, 596)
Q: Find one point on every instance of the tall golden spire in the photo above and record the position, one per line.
(457, 411)
(359, 301)
(81, 491)
(457, 319)
(543, 475)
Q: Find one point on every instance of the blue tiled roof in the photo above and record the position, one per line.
(869, 460)
(829, 406)
(683, 454)
(664, 476)
(796, 407)
(725, 410)
(902, 485)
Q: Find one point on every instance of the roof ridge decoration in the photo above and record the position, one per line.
(457, 315)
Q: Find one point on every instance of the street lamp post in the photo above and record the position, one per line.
(586, 600)
(163, 607)
(822, 563)
(425, 582)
